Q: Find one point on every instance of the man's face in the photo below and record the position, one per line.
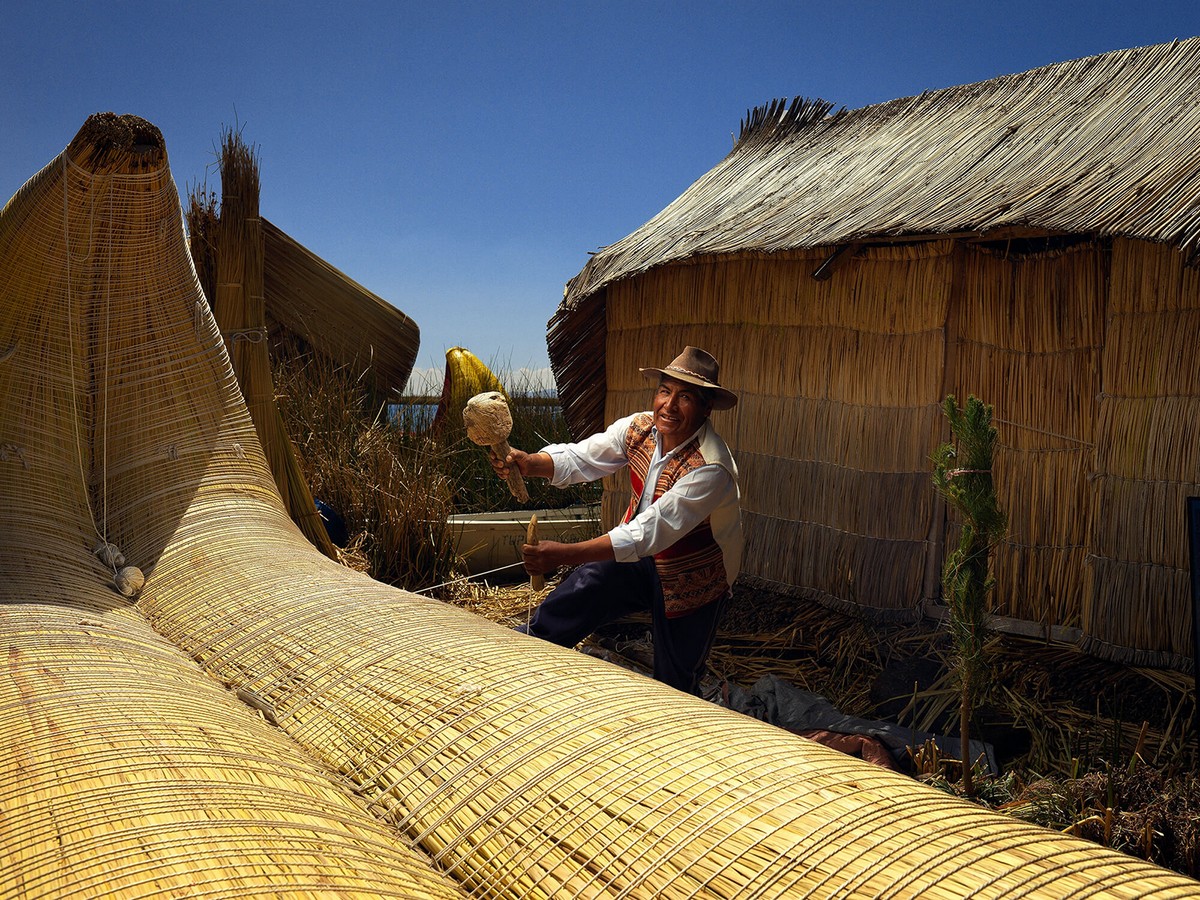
(679, 409)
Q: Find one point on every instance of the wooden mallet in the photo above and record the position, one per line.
(488, 424)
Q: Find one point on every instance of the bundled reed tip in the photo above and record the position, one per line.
(108, 141)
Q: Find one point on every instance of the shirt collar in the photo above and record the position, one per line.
(658, 443)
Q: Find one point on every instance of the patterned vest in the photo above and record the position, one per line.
(692, 570)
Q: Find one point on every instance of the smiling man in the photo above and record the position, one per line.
(679, 547)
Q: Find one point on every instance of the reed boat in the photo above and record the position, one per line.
(262, 721)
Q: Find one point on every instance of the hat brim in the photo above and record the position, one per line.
(722, 398)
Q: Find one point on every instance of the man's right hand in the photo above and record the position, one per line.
(515, 459)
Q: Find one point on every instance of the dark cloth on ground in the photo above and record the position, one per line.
(781, 703)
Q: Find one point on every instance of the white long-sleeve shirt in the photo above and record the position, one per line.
(655, 526)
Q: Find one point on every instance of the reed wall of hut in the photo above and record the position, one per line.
(1083, 349)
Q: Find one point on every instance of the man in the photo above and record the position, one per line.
(679, 547)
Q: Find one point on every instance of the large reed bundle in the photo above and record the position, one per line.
(124, 770)
(521, 769)
(239, 307)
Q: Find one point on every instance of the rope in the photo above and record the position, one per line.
(71, 337)
(424, 591)
(249, 335)
(954, 473)
(104, 416)
(109, 557)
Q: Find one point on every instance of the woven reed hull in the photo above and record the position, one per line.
(125, 771)
(521, 769)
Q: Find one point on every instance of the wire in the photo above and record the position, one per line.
(466, 578)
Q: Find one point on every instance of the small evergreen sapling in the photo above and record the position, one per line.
(962, 474)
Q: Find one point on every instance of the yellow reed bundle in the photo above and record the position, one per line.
(156, 781)
(239, 308)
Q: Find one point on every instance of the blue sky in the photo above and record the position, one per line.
(461, 159)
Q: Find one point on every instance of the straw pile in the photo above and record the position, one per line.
(520, 769)
(852, 270)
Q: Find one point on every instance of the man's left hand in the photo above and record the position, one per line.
(544, 556)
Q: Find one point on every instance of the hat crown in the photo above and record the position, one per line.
(697, 363)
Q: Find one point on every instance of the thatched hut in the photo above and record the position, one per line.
(1029, 240)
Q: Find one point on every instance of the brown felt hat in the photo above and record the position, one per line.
(696, 366)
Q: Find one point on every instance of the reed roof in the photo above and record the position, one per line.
(1107, 145)
(333, 313)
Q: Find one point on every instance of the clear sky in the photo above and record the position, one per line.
(461, 159)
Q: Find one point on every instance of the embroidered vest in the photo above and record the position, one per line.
(693, 570)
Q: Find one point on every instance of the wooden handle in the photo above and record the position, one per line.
(516, 484)
(537, 582)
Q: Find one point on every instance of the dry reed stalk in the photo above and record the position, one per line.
(240, 311)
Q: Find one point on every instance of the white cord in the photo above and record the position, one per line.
(466, 578)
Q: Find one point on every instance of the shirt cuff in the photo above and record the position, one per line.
(558, 458)
(624, 547)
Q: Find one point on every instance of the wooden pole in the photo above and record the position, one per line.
(537, 582)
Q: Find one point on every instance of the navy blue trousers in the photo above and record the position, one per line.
(597, 593)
